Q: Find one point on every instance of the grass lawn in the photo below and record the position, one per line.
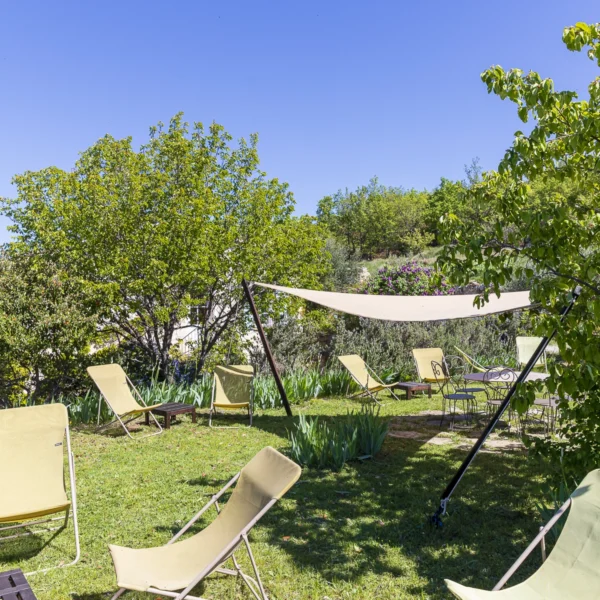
(361, 533)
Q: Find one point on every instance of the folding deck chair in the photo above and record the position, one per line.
(232, 390)
(365, 377)
(572, 570)
(526, 346)
(182, 565)
(32, 472)
(115, 387)
(426, 360)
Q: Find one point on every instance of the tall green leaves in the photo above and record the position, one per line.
(316, 443)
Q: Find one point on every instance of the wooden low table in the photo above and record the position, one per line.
(170, 410)
(14, 586)
(413, 386)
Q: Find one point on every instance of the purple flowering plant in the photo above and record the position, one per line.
(410, 279)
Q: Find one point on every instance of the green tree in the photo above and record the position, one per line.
(538, 216)
(447, 198)
(376, 219)
(179, 223)
(44, 334)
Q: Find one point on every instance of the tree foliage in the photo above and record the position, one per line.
(375, 219)
(44, 333)
(178, 223)
(538, 216)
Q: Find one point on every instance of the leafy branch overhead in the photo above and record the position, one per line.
(538, 218)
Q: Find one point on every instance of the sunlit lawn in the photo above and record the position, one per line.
(360, 533)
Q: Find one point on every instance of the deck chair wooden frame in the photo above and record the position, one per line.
(268, 460)
(578, 544)
(99, 373)
(244, 372)
(56, 416)
(351, 363)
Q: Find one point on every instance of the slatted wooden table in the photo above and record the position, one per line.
(14, 586)
(413, 386)
(170, 409)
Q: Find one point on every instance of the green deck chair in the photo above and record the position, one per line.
(572, 571)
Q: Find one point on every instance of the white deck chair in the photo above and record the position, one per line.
(116, 389)
(32, 472)
(182, 565)
(572, 570)
(526, 346)
(232, 390)
(365, 377)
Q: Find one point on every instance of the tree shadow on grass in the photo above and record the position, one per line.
(374, 518)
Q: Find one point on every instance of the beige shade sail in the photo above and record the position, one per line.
(409, 308)
(32, 467)
(233, 386)
(269, 475)
(573, 568)
(112, 383)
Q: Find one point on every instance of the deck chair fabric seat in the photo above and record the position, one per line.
(32, 451)
(365, 377)
(232, 389)
(177, 565)
(526, 346)
(32, 468)
(572, 570)
(116, 389)
(424, 357)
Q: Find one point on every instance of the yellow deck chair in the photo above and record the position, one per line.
(424, 357)
(366, 378)
(175, 569)
(116, 389)
(572, 571)
(473, 363)
(232, 390)
(32, 471)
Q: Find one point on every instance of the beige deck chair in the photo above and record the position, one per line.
(32, 472)
(526, 346)
(370, 384)
(473, 363)
(424, 357)
(182, 565)
(432, 368)
(115, 387)
(232, 390)
(572, 571)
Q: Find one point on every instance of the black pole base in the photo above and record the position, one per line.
(436, 519)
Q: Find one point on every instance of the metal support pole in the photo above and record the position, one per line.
(265, 343)
(441, 511)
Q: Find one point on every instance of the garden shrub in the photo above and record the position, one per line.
(318, 444)
(410, 279)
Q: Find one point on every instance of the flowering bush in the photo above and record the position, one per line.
(408, 280)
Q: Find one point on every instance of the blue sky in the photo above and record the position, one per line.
(337, 91)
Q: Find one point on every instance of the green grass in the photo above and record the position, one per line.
(360, 533)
